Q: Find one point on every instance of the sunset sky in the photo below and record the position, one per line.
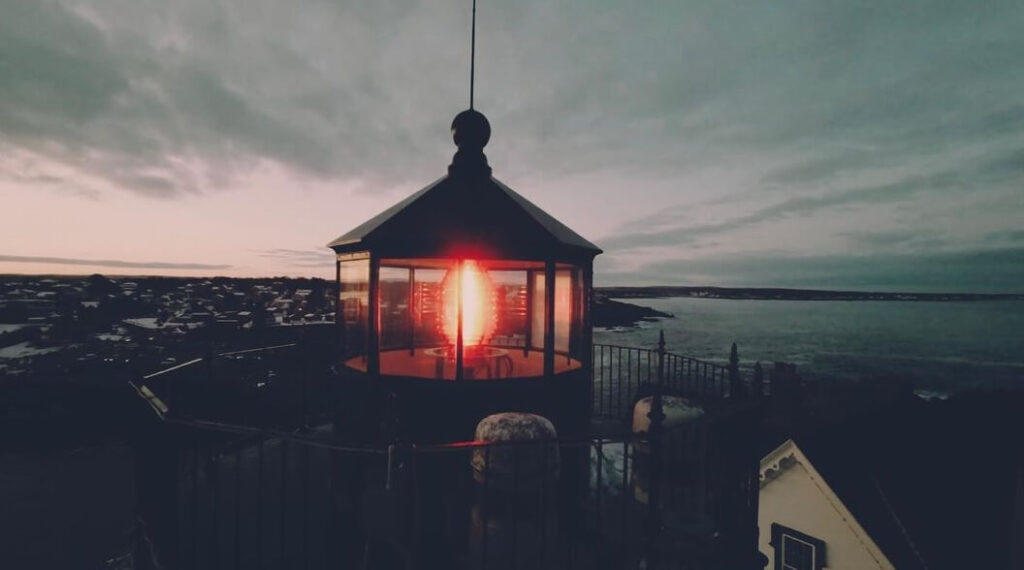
(812, 143)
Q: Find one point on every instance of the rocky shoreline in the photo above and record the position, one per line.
(606, 312)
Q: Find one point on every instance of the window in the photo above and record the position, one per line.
(795, 550)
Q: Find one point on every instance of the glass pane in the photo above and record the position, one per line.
(434, 356)
(510, 303)
(537, 310)
(797, 554)
(395, 320)
(353, 309)
(576, 348)
(427, 307)
(563, 309)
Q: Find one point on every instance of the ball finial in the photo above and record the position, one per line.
(471, 130)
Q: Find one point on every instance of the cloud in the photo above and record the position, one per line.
(690, 122)
(802, 206)
(121, 88)
(318, 258)
(913, 240)
(110, 263)
(174, 98)
(1005, 237)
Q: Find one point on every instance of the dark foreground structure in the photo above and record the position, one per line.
(457, 416)
(240, 465)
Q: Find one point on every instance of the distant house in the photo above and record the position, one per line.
(805, 524)
(904, 483)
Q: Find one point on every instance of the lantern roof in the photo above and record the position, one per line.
(467, 214)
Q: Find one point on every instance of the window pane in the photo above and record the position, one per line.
(395, 321)
(510, 296)
(537, 309)
(576, 348)
(353, 307)
(797, 554)
(563, 309)
(427, 307)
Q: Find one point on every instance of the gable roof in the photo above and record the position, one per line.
(932, 480)
(467, 214)
(870, 530)
(471, 214)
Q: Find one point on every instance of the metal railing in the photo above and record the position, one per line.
(264, 500)
(623, 374)
(218, 489)
(289, 384)
(285, 385)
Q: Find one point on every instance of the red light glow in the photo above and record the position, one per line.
(479, 317)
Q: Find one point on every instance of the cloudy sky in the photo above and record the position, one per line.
(810, 143)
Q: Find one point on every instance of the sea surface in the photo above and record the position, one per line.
(940, 347)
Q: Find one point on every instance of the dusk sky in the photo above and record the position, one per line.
(809, 143)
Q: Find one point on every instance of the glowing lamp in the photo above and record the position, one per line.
(471, 289)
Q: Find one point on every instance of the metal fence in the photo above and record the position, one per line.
(253, 485)
(290, 384)
(285, 385)
(232, 499)
(623, 374)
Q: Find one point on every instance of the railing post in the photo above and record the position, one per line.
(654, 433)
(300, 354)
(757, 384)
(736, 389)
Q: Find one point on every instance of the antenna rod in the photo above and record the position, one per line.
(472, 57)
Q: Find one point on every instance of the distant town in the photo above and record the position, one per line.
(100, 328)
(60, 326)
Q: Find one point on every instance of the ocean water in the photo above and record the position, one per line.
(940, 347)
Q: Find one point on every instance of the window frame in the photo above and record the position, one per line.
(779, 532)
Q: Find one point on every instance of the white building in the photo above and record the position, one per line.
(804, 524)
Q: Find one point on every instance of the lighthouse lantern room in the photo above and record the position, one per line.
(465, 299)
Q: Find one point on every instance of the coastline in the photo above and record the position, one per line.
(788, 294)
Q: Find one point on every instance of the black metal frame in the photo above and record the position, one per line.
(779, 532)
(579, 308)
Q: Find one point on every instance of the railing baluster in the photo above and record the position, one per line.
(625, 488)
(484, 506)
(543, 501)
(283, 540)
(516, 502)
(600, 383)
(628, 384)
(414, 503)
(195, 503)
(599, 489)
(648, 367)
(215, 519)
(259, 501)
(618, 381)
(238, 508)
(305, 506)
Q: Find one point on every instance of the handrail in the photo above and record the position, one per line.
(620, 375)
(261, 349)
(172, 368)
